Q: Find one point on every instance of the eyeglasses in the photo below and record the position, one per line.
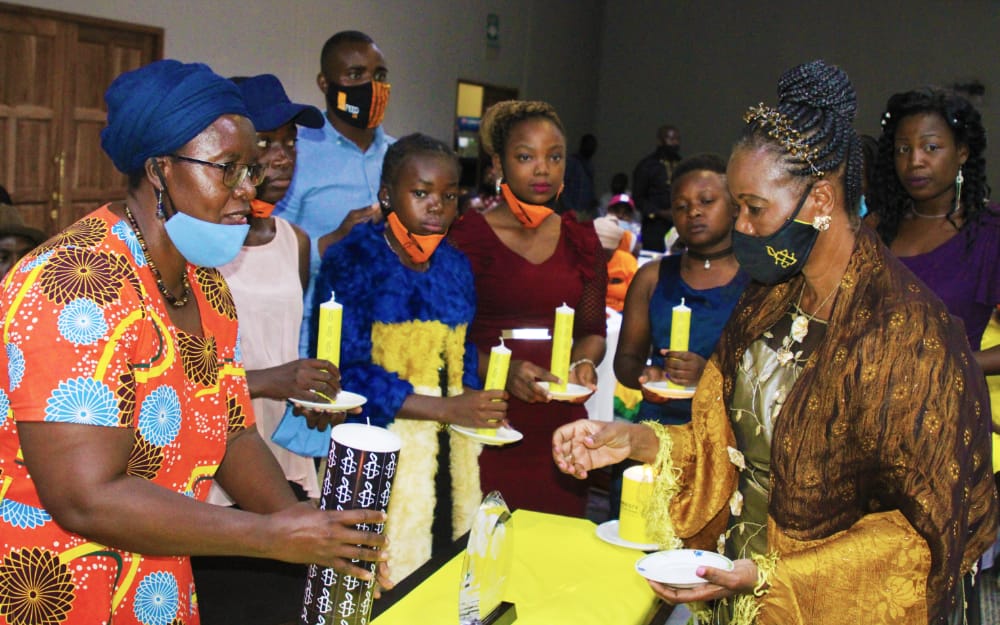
(233, 174)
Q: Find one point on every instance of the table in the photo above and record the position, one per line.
(561, 573)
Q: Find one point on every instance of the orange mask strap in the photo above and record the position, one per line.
(261, 209)
(530, 215)
(380, 100)
(418, 247)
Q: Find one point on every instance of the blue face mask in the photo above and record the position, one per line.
(204, 243)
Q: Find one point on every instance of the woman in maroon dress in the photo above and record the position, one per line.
(528, 260)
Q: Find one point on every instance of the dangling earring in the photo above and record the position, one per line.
(384, 204)
(821, 222)
(959, 179)
(160, 213)
(497, 186)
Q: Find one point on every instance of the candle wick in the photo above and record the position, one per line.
(368, 421)
(682, 301)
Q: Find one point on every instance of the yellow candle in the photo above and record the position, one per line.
(562, 344)
(331, 315)
(496, 375)
(637, 490)
(496, 371)
(680, 331)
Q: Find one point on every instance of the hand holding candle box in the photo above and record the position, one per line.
(331, 315)
(637, 491)
(562, 344)
(680, 332)
(359, 473)
(496, 375)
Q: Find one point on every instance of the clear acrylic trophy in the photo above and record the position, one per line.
(486, 567)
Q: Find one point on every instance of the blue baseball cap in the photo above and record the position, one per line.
(270, 107)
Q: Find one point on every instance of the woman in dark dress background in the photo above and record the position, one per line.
(528, 260)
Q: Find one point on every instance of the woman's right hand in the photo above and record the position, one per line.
(521, 381)
(584, 445)
(477, 409)
(303, 534)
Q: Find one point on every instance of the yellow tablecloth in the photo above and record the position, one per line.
(562, 573)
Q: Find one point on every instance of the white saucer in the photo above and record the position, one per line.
(573, 391)
(345, 400)
(661, 388)
(677, 567)
(504, 436)
(608, 532)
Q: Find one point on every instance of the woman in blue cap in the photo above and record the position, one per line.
(124, 392)
(267, 279)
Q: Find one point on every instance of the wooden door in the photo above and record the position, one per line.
(54, 69)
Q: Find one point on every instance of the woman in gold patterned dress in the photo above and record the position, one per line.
(122, 392)
(838, 449)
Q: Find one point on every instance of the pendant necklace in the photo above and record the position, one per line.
(173, 300)
(708, 258)
(800, 326)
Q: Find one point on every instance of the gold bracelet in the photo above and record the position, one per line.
(580, 362)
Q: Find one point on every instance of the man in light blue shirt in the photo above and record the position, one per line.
(339, 165)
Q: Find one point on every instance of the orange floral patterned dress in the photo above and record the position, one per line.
(87, 339)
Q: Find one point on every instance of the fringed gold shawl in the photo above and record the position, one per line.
(881, 489)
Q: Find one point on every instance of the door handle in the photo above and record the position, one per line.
(60, 162)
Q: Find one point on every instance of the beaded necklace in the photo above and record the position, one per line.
(173, 300)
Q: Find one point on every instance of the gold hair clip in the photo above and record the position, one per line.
(780, 128)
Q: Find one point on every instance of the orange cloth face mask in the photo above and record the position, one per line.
(530, 215)
(261, 209)
(419, 247)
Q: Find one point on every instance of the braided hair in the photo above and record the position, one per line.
(815, 136)
(413, 145)
(495, 127)
(889, 200)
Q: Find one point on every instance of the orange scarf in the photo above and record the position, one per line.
(530, 215)
(418, 247)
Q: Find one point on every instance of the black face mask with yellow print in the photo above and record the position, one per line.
(778, 257)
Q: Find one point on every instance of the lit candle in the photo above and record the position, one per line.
(331, 315)
(496, 375)
(680, 332)
(562, 343)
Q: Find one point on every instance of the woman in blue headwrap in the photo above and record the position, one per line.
(124, 393)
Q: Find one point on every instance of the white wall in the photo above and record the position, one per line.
(618, 68)
(547, 48)
(699, 65)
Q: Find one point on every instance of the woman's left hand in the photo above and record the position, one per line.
(719, 584)
(683, 367)
(320, 419)
(584, 374)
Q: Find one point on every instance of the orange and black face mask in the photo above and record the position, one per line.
(362, 106)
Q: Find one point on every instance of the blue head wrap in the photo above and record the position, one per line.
(159, 107)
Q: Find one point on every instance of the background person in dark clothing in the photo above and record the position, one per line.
(651, 187)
